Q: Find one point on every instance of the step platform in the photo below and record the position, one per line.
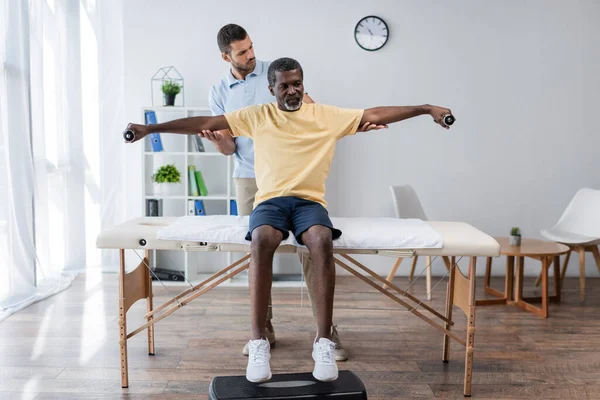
(348, 386)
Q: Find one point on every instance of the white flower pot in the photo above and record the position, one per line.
(514, 240)
(167, 189)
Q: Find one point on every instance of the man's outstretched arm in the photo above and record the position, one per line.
(390, 114)
(185, 126)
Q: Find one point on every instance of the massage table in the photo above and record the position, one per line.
(377, 236)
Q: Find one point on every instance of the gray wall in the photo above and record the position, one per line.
(521, 78)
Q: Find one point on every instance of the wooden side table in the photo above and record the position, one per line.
(544, 251)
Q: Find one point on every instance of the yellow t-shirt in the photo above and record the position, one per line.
(293, 150)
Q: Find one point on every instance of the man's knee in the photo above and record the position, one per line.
(265, 240)
(318, 239)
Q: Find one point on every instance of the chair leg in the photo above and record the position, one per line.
(564, 267)
(393, 271)
(428, 277)
(596, 254)
(412, 268)
(581, 251)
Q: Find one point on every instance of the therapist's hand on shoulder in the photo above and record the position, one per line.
(214, 136)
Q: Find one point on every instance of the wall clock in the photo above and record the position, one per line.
(371, 33)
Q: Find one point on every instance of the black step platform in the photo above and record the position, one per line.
(288, 386)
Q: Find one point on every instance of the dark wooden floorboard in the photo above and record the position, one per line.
(67, 346)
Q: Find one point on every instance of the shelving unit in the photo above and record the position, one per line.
(216, 170)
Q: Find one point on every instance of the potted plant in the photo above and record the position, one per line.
(165, 178)
(170, 89)
(515, 237)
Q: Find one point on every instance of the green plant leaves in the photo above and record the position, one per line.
(167, 174)
(171, 88)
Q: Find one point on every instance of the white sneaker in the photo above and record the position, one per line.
(270, 337)
(258, 369)
(324, 355)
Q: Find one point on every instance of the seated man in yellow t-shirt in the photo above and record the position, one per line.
(294, 144)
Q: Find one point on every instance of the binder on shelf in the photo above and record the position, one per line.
(198, 145)
(154, 207)
(191, 207)
(193, 183)
(233, 207)
(167, 274)
(201, 185)
(200, 210)
(154, 137)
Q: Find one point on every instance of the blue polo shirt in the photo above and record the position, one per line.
(231, 94)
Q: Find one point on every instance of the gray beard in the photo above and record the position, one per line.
(292, 108)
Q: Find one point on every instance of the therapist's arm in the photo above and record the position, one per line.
(390, 114)
(184, 126)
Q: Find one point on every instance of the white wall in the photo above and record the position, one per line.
(521, 78)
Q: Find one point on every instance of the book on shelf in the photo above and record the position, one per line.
(196, 207)
(198, 145)
(167, 274)
(154, 207)
(233, 207)
(193, 182)
(199, 205)
(201, 184)
(154, 137)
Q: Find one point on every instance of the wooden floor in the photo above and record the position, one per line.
(67, 346)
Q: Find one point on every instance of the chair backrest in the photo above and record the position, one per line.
(582, 215)
(406, 202)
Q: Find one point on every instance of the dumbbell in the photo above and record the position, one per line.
(449, 119)
(129, 135)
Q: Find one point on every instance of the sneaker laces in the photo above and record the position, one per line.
(259, 351)
(325, 353)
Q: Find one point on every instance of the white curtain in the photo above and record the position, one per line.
(62, 85)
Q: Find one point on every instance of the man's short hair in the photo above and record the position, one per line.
(282, 64)
(228, 34)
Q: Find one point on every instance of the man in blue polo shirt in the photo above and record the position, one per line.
(244, 85)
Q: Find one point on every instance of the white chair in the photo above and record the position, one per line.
(407, 205)
(579, 228)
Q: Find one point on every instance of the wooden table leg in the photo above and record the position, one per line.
(149, 306)
(545, 265)
(508, 282)
(123, 321)
(519, 280)
(524, 302)
(470, 348)
(449, 305)
(557, 283)
(502, 298)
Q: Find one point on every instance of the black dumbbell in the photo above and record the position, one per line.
(449, 119)
(129, 135)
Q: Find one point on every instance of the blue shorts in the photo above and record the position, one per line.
(290, 214)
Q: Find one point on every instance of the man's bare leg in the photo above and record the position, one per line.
(318, 240)
(265, 240)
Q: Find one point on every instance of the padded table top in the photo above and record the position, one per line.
(459, 239)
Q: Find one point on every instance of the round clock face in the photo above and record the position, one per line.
(371, 33)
